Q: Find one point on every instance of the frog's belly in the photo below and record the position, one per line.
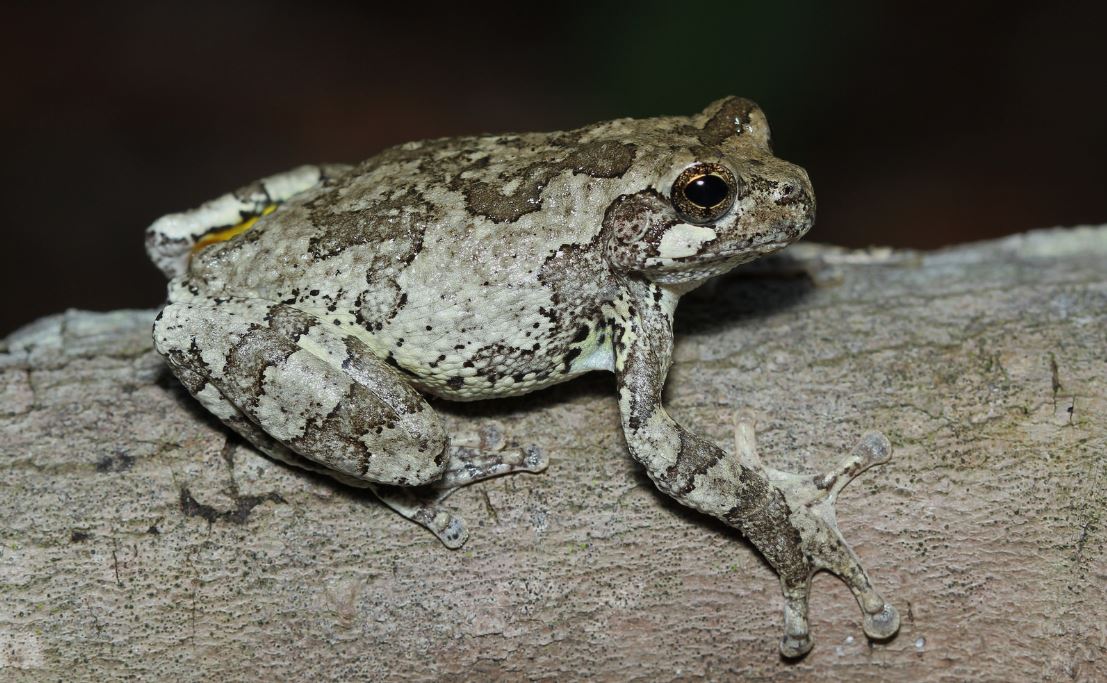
(488, 385)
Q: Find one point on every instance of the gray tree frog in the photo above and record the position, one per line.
(311, 310)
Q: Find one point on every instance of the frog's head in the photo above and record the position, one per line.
(713, 196)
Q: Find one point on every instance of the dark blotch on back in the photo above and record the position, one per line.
(722, 124)
(598, 159)
(403, 217)
(488, 200)
(288, 322)
(603, 159)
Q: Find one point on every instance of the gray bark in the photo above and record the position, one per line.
(140, 539)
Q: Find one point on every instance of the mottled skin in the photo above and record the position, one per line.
(482, 267)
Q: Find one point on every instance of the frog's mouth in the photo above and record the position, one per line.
(684, 268)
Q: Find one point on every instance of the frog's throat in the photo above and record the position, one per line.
(224, 234)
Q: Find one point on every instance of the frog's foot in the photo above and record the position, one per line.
(440, 521)
(423, 506)
(472, 458)
(482, 456)
(469, 465)
(811, 500)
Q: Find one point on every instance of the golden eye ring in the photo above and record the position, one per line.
(703, 192)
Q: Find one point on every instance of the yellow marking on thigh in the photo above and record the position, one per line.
(228, 233)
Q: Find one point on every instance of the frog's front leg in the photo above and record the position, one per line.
(310, 396)
(788, 517)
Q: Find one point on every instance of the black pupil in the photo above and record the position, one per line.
(706, 191)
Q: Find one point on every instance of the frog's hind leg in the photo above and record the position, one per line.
(444, 524)
(308, 395)
(319, 392)
(171, 240)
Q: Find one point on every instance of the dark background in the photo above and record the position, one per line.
(921, 124)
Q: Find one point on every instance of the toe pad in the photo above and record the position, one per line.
(883, 624)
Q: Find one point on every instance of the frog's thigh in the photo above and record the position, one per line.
(171, 239)
(218, 405)
(427, 512)
(308, 386)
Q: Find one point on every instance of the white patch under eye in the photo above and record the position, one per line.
(684, 240)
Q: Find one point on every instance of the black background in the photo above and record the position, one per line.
(921, 124)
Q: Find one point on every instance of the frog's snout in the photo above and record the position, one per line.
(793, 187)
(792, 192)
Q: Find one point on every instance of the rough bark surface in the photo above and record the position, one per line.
(139, 539)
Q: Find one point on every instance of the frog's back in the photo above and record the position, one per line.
(489, 243)
(478, 210)
(489, 256)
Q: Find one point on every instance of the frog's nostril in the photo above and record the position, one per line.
(787, 193)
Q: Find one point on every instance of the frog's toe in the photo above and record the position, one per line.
(812, 501)
(794, 647)
(797, 640)
(468, 465)
(881, 620)
(535, 459)
(827, 549)
(424, 511)
(444, 524)
(454, 534)
(873, 449)
(882, 625)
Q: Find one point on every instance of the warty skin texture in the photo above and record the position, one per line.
(483, 267)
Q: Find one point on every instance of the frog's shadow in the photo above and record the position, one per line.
(741, 298)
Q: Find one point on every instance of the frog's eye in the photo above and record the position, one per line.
(703, 192)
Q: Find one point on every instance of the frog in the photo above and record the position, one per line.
(317, 311)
